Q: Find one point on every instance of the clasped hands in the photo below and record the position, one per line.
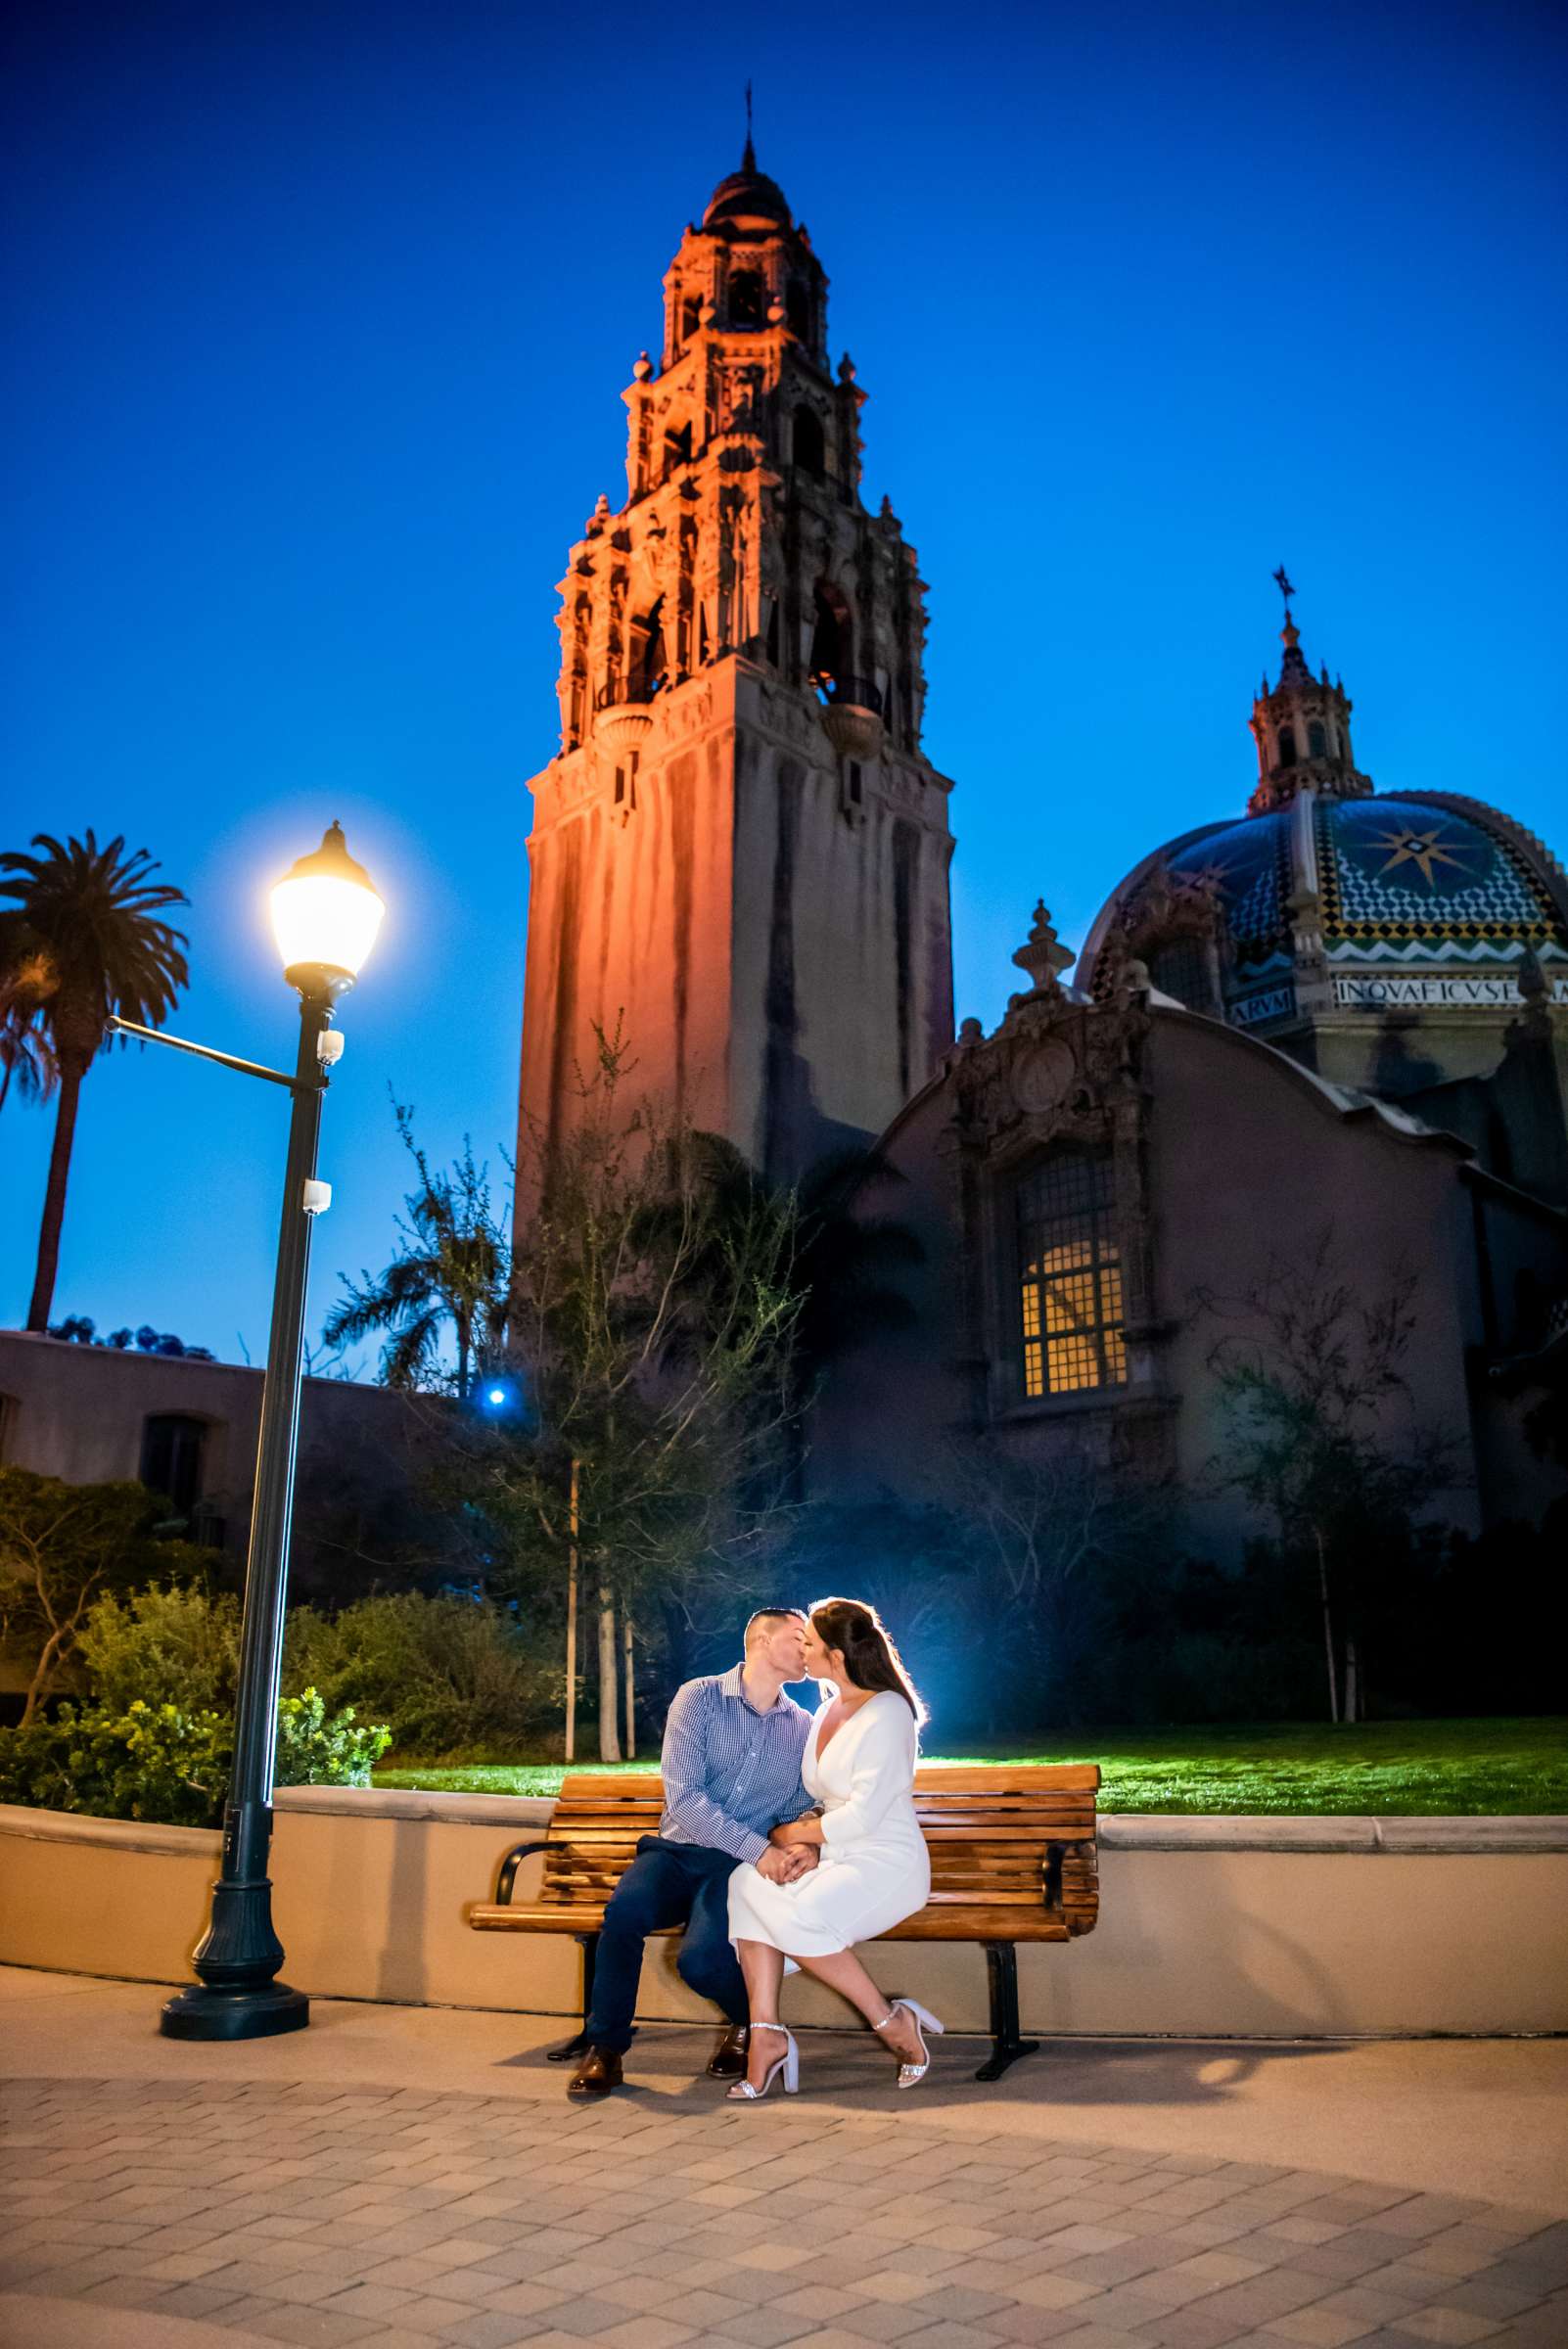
(793, 1850)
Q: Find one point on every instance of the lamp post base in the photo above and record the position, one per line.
(203, 2013)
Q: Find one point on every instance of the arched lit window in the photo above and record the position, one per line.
(1316, 740)
(649, 668)
(1287, 746)
(748, 299)
(810, 448)
(798, 309)
(172, 1450)
(1069, 1271)
(831, 650)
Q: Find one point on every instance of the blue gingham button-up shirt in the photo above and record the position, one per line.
(731, 1773)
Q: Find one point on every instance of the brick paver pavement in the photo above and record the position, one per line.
(402, 2218)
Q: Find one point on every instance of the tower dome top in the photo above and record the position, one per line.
(747, 196)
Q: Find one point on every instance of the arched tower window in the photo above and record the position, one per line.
(798, 309)
(809, 446)
(1287, 746)
(832, 639)
(649, 668)
(1316, 740)
(677, 446)
(691, 316)
(748, 299)
(1069, 1274)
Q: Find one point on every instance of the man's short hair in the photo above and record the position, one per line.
(771, 1615)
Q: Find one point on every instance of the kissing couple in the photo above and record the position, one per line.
(787, 1837)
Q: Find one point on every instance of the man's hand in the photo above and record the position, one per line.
(781, 1867)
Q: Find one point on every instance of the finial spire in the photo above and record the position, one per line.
(748, 159)
(1043, 955)
(1281, 576)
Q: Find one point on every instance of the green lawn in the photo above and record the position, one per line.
(1412, 1768)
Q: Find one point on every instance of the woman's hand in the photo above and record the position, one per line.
(798, 1830)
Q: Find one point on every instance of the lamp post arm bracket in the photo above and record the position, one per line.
(226, 1060)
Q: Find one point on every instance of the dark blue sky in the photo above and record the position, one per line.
(319, 317)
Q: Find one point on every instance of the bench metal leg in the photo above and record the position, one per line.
(1001, 1966)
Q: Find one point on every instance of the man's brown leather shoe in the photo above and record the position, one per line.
(597, 2074)
(729, 2056)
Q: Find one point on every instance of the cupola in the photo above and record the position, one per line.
(1302, 728)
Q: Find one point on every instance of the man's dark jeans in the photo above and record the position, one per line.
(666, 1884)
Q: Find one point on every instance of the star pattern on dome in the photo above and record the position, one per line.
(1423, 850)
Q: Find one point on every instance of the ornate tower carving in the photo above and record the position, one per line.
(1302, 730)
(740, 848)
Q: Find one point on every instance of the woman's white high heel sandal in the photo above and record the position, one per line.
(911, 2074)
(789, 2063)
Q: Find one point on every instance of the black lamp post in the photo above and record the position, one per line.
(325, 913)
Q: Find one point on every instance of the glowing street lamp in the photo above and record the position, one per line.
(325, 914)
(326, 911)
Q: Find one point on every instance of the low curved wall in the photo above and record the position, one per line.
(1282, 1928)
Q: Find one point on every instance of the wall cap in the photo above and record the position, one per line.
(1118, 1831)
(1148, 1831)
(31, 1825)
(414, 1802)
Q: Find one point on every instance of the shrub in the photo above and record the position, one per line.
(164, 1646)
(61, 1547)
(156, 1763)
(447, 1675)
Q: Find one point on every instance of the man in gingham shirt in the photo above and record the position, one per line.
(731, 1766)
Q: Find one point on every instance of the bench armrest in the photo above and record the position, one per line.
(507, 1877)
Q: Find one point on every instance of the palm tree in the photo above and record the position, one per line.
(452, 1267)
(81, 942)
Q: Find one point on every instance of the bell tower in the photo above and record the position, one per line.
(740, 852)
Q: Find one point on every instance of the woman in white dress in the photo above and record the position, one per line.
(872, 1868)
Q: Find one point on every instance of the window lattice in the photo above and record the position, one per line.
(1070, 1275)
(1180, 967)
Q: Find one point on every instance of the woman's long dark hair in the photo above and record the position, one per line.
(870, 1657)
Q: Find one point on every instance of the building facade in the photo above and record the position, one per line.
(1336, 1022)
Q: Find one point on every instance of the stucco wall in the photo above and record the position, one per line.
(1207, 1927)
(1249, 1164)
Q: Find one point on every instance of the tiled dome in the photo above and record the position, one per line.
(1406, 878)
(1403, 875)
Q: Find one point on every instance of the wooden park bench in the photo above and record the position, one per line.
(1012, 1859)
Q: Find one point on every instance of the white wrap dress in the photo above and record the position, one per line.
(874, 1869)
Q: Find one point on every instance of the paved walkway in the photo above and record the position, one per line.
(354, 2186)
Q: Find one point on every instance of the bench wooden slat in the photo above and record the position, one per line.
(608, 1786)
(974, 1921)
